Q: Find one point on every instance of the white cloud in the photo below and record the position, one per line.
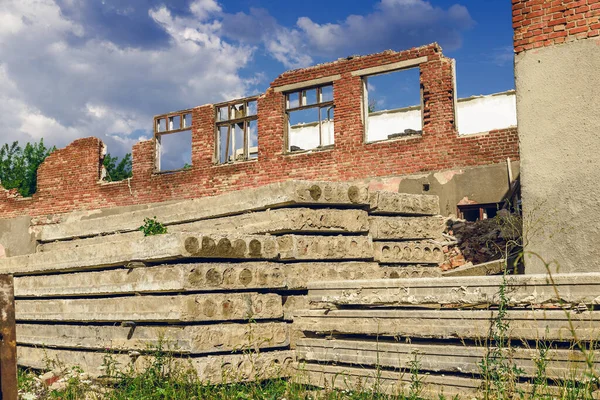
(59, 85)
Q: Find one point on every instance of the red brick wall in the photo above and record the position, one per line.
(539, 23)
(69, 179)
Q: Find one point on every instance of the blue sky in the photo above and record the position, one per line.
(77, 68)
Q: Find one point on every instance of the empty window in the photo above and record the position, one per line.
(237, 133)
(392, 105)
(475, 212)
(310, 118)
(173, 139)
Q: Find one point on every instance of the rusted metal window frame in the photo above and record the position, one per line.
(168, 120)
(230, 123)
(328, 105)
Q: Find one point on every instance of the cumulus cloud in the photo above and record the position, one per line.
(393, 24)
(60, 82)
(76, 68)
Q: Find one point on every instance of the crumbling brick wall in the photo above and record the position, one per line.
(540, 23)
(70, 178)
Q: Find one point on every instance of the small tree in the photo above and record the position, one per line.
(117, 170)
(18, 165)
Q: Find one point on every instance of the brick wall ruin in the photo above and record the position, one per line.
(70, 179)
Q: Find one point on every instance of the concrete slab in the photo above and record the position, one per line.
(449, 324)
(421, 252)
(392, 203)
(573, 289)
(387, 382)
(439, 358)
(405, 228)
(15, 237)
(190, 308)
(297, 247)
(196, 277)
(210, 369)
(269, 196)
(277, 221)
(195, 339)
(489, 268)
(292, 304)
(152, 249)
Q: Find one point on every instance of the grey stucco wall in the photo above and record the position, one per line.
(484, 184)
(558, 113)
(15, 237)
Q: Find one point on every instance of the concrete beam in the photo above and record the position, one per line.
(195, 339)
(297, 247)
(495, 267)
(278, 221)
(439, 358)
(405, 228)
(551, 325)
(152, 249)
(408, 252)
(392, 203)
(275, 195)
(210, 369)
(190, 308)
(573, 289)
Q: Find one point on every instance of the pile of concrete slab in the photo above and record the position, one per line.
(221, 286)
(446, 334)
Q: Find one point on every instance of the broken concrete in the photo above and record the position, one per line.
(295, 247)
(190, 308)
(423, 252)
(489, 268)
(573, 289)
(406, 228)
(392, 203)
(434, 357)
(269, 196)
(285, 220)
(195, 339)
(449, 324)
(298, 275)
(150, 249)
(292, 304)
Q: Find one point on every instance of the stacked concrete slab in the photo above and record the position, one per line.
(390, 333)
(221, 286)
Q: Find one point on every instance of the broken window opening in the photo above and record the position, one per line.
(310, 117)
(475, 212)
(237, 133)
(393, 105)
(173, 141)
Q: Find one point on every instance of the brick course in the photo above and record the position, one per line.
(70, 178)
(540, 23)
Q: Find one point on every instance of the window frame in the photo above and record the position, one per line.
(230, 124)
(169, 129)
(365, 104)
(319, 104)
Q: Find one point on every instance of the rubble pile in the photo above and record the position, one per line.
(481, 241)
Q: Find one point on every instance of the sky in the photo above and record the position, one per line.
(104, 68)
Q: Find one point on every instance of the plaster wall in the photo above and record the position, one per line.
(486, 113)
(15, 237)
(558, 100)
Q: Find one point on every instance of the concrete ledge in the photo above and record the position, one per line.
(196, 339)
(392, 203)
(573, 289)
(434, 357)
(390, 67)
(308, 83)
(450, 324)
(270, 196)
(190, 308)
